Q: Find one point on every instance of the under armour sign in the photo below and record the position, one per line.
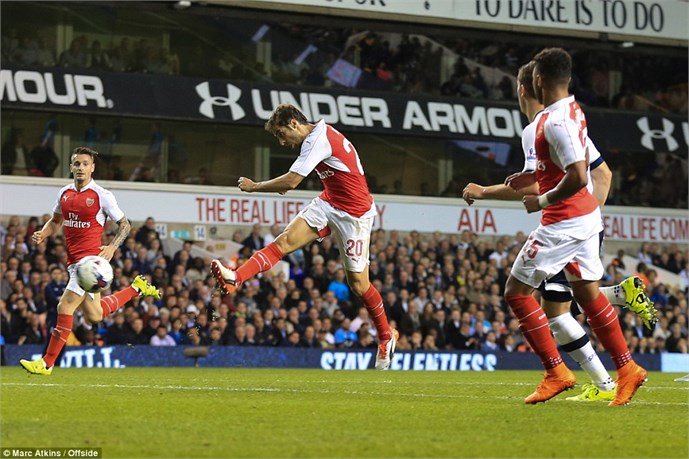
(659, 134)
(233, 95)
(31, 87)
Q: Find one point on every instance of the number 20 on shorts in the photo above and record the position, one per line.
(355, 247)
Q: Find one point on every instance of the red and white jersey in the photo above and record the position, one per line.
(338, 166)
(85, 212)
(529, 146)
(561, 140)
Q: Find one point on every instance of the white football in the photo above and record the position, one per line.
(94, 273)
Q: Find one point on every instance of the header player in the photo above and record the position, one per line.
(555, 292)
(345, 208)
(82, 209)
(567, 236)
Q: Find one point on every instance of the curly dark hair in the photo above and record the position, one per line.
(525, 77)
(282, 115)
(555, 64)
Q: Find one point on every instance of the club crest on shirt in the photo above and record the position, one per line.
(90, 201)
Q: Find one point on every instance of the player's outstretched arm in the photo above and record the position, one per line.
(282, 184)
(123, 229)
(51, 227)
(500, 192)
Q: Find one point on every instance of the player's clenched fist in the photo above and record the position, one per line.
(37, 237)
(531, 203)
(246, 184)
(472, 192)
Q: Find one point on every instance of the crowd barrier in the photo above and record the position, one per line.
(327, 359)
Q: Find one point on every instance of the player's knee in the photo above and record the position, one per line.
(94, 317)
(513, 287)
(63, 308)
(358, 285)
(286, 243)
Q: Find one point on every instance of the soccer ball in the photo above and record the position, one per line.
(94, 273)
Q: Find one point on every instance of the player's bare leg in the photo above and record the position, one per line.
(572, 338)
(69, 302)
(297, 234)
(534, 326)
(387, 338)
(602, 318)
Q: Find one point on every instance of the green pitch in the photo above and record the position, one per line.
(193, 412)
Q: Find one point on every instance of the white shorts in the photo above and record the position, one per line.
(73, 285)
(353, 234)
(546, 253)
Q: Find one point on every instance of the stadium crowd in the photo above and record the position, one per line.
(387, 61)
(440, 291)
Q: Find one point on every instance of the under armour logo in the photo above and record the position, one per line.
(650, 134)
(233, 95)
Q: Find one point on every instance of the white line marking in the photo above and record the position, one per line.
(302, 391)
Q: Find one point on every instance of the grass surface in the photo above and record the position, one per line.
(194, 412)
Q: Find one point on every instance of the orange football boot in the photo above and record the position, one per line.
(556, 380)
(629, 378)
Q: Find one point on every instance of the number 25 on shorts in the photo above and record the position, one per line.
(533, 249)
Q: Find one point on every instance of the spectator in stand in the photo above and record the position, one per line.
(339, 286)
(136, 334)
(344, 336)
(254, 241)
(74, 57)
(16, 159)
(98, 59)
(161, 338)
(147, 233)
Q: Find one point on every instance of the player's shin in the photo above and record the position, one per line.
(374, 305)
(534, 326)
(112, 303)
(572, 339)
(602, 318)
(58, 338)
(259, 262)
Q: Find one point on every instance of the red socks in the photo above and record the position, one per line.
(63, 328)
(602, 318)
(259, 262)
(534, 325)
(112, 303)
(374, 305)
(58, 338)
